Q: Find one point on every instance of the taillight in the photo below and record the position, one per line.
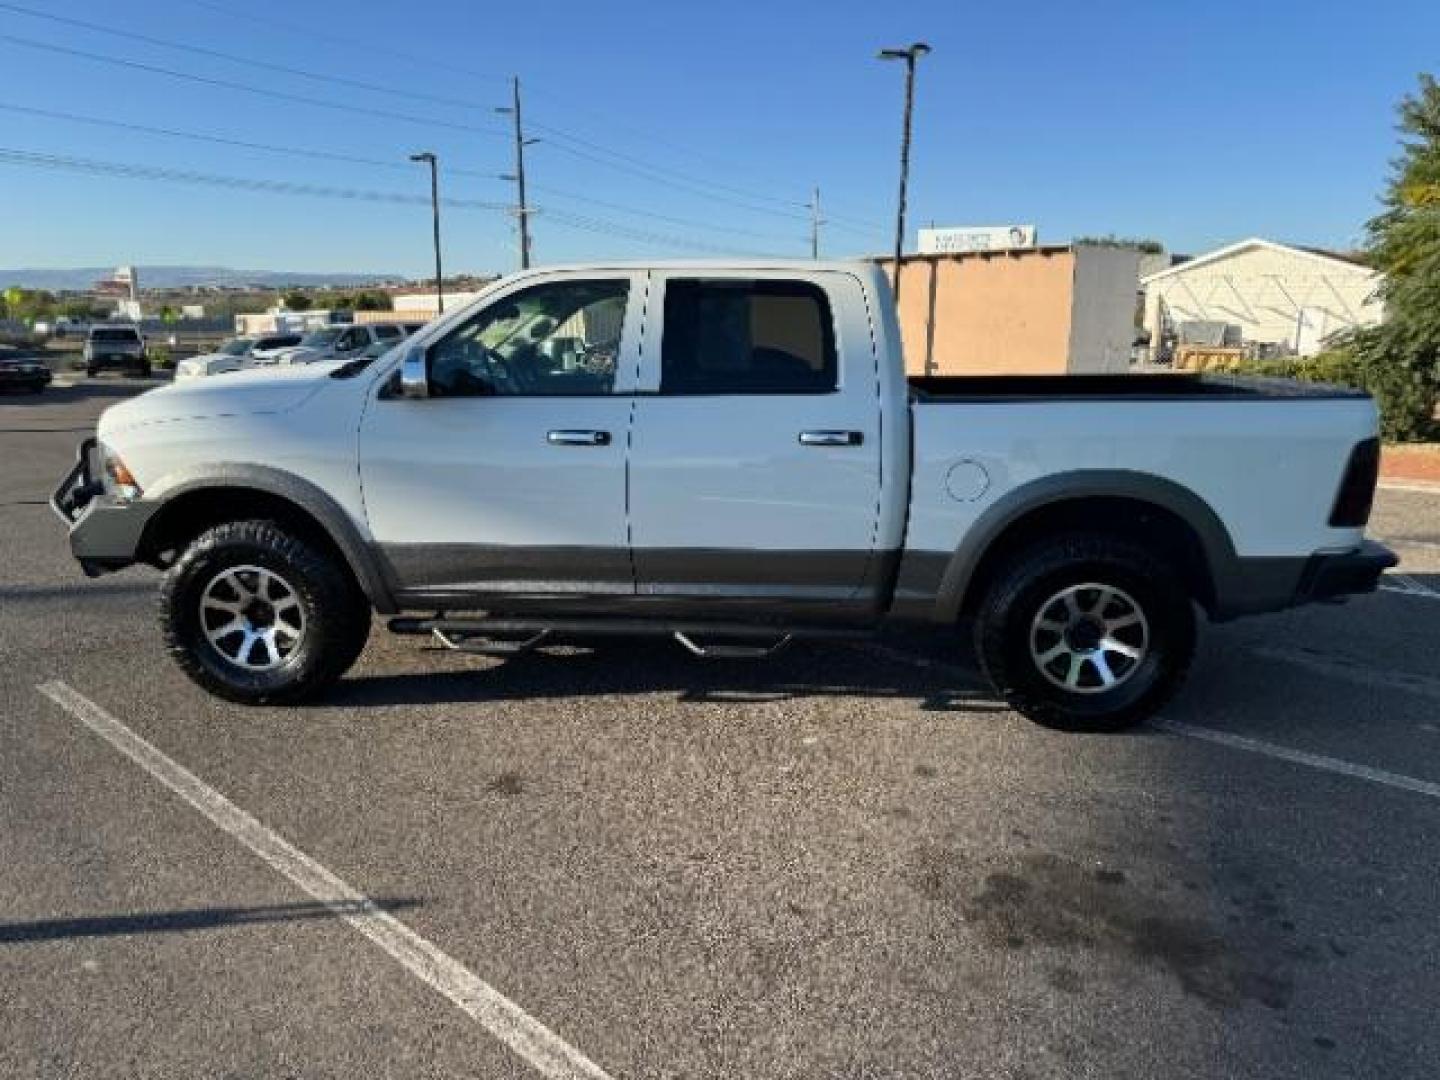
(1357, 487)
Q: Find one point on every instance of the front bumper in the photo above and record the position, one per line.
(115, 360)
(1330, 576)
(104, 535)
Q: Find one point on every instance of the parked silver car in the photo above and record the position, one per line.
(236, 354)
(340, 342)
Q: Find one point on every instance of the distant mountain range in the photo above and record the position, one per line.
(171, 277)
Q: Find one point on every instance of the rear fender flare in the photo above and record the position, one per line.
(1215, 541)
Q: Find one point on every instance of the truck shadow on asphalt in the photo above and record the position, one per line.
(186, 920)
(648, 666)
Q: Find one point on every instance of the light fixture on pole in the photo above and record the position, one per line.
(910, 54)
(430, 159)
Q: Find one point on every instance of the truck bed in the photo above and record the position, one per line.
(1146, 387)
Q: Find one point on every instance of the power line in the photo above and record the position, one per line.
(94, 166)
(698, 184)
(220, 140)
(608, 228)
(430, 63)
(227, 84)
(649, 171)
(97, 167)
(637, 212)
(352, 159)
(661, 172)
(248, 61)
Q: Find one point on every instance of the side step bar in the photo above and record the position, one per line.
(478, 635)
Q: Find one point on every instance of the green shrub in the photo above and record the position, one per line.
(1402, 380)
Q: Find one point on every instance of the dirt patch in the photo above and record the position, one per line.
(1411, 461)
(1244, 955)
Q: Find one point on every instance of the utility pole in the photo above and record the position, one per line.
(431, 160)
(909, 55)
(815, 222)
(522, 208)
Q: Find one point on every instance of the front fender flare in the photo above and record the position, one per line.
(305, 495)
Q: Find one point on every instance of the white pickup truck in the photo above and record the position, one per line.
(730, 454)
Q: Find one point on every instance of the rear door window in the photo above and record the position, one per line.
(726, 336)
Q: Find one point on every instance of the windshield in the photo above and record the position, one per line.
(114, 335)
(236, 346)
(318, 338)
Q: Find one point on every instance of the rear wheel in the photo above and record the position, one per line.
(1086, 633)
(256, 614)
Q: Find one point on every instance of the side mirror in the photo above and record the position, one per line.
(415, 374)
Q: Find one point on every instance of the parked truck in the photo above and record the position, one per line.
(730, 454)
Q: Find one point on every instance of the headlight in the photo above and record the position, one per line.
(117, 473)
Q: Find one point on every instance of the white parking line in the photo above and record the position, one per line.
(1416, 684)
(1301, 757)
(1406, 585)
(545, 1051)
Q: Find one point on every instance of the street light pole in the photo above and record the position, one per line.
(433, 162)
(815, 222)
(909, 55)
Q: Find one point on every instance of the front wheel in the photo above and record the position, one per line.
(1086, 633)
(258, 615)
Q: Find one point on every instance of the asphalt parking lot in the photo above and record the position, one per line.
(847, 861)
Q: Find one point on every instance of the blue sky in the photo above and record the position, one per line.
(1197, 124)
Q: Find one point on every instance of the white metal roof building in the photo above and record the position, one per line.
(1272, 293)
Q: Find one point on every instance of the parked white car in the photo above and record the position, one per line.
(236, 355)
(731, 454)
(340, 342)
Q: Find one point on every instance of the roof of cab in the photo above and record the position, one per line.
(849, 266)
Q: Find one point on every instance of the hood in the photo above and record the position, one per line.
(246, 392)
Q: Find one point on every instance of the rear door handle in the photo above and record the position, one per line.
(578, 438)
(831, 438)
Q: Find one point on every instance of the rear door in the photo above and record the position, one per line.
(755, 452)
(509, 480)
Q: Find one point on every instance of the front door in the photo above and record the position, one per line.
(755, 454)
(509, 479)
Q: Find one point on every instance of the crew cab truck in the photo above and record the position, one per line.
(731, 454)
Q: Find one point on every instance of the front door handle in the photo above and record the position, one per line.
(578, 438)
(831, 438)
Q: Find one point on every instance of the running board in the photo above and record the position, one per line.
(733, 652)
(478, 635)
(486, 646)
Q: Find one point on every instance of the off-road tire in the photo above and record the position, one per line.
(1015, 597)
(336, 613)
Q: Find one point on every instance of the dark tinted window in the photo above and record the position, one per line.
(384, 331)
(118, 334)
(279, 341)
(746, 337)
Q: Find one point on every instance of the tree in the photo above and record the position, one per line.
(78, 310)
(1144, 245)
(28, 305)
(1403, 242)
(296, 301)
(371, 300)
